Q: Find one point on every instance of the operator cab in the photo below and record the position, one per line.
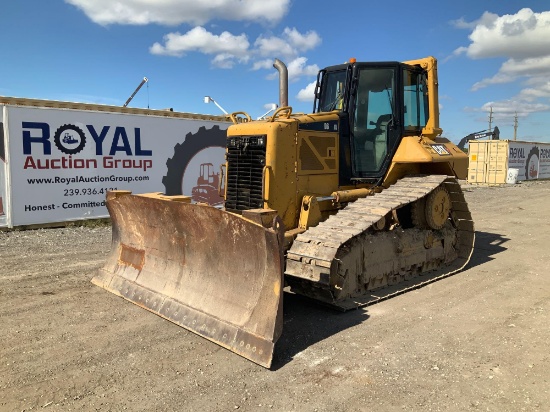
(378, 104)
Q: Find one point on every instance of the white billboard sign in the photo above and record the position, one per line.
(3, 173)
(531, 159)
(62, 162)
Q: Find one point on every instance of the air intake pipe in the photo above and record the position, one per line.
(283, 82)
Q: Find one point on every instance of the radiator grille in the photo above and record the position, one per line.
(245, 163)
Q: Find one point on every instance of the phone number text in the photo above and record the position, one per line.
(87, 191)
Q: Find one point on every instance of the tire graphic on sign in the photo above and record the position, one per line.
(70, 139)
(195, 166)
(532, 164)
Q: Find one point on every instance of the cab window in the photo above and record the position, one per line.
(333, 91)
(415, 95)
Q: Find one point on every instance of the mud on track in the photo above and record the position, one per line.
(475, 341)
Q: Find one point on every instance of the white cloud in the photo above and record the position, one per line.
(506, 109)
(274, 46)
(226, 47)
(528, 67)
(298, 68)
(174, 12)
(523, 39)
(457, 52)
(525, 34)
(463, 24)
(532, 93)
(224, 61)
(302, 42)
(307, 94)
(289, 45)
(532, 68)
(522, 35)
(487, 19)
(263, 64)
(499, 78)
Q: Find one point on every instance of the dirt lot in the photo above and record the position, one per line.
(478, 340)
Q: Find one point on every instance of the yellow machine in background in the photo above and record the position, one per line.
(350, 204)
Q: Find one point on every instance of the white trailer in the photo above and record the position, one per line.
(58, 159)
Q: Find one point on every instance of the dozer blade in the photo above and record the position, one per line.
(207, 270)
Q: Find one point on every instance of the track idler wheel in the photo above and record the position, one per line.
(432, 211)
(438, 207)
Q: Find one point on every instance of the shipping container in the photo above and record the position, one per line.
(496, 162)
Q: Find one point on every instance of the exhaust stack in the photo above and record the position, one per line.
(283, 82)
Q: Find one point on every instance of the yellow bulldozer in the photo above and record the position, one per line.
(350, 204)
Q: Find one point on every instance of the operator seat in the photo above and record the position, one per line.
(381, 140)
(371, 145)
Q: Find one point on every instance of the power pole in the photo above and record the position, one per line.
(490, 119)
(516, 126)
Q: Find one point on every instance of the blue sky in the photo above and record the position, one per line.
(491, 53)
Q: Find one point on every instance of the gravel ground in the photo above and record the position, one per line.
(475, 341)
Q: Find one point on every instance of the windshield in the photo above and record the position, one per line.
(332, 96)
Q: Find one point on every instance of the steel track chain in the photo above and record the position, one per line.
(314, 251)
